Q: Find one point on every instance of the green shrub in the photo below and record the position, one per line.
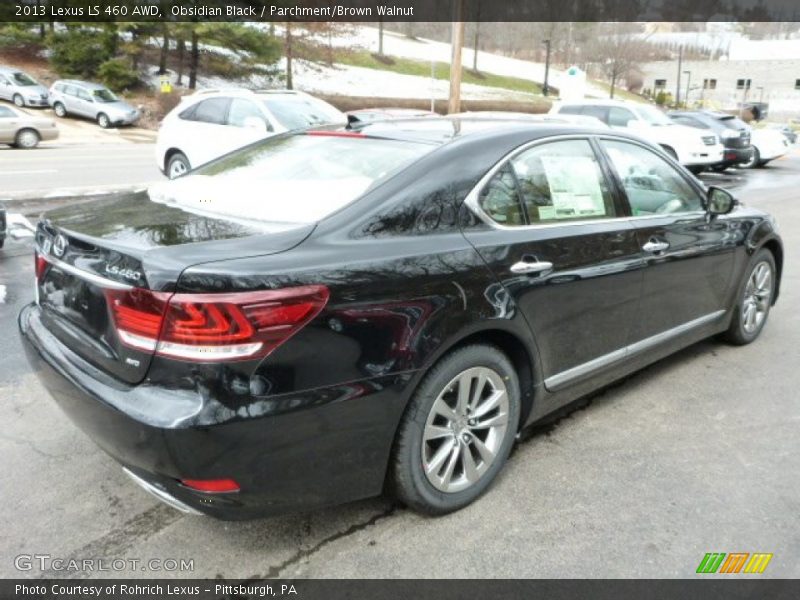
(117, 74)
(79, 52)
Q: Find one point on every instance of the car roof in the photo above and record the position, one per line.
(86, 84)
(447, 129)
(600, 102)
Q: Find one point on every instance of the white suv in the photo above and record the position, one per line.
(211, 123)
(691, 147)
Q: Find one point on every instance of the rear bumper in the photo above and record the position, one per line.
(49, 134)
(327, 446)
(735, 156)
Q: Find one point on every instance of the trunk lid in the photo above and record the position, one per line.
(93, 251)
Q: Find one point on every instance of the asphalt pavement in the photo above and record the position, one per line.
(698, 453)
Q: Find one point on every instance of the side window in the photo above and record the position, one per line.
(500, 198)
(598, 112)
(561, 181)
(71, 90)
(242, 110)
(6, 113)
(213, 110)
(619, 117)
(570, 110)
(690, 122)
(83, 95)
(188, 113)
(4, 81)
(652, 185)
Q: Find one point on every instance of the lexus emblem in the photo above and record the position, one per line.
(59, 245)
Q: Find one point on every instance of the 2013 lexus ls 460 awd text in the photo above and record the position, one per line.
(326, 315)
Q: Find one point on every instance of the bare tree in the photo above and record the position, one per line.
(618, 51)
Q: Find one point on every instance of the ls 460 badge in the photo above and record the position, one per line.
(128, 274)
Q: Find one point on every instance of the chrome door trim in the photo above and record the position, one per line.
(565, 377)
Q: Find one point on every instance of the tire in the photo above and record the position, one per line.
(2, 242)
(177, 165)
(27, 139)
(19, 101)
(754, 301)
(464, 458)
(103, 120)
(60, 110)
(754, 160)
(696, 169)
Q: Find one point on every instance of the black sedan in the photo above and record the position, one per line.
(327, 315)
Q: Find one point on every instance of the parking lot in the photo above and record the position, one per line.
(695, 454)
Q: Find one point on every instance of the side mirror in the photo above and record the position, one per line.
(720, 202)
(255, 123)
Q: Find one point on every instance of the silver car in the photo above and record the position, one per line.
(91, 100)
(21, 89)
(21, 130)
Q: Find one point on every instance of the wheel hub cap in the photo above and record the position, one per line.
(465, 429)
(756, 302)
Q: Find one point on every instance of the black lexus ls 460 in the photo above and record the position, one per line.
(330, 315)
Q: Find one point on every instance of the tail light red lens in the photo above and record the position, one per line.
(215, 486)
(41, 266)
(213, 327)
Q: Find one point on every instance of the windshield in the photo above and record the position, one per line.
(300, 113)
(23, 80)
(653, 116)
(104, 96)
(294, 179)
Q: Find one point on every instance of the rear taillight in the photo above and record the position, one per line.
(41, 265)
(213, 486)
(213, 327)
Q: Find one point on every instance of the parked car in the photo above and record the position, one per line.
(369, 115)
(695, 150)
(21, 89)
(3, 225)
(586, 121)
(20, 130)
(92, 101)
(324, 313)
(768, 144)
(211, 123)
(734, 133)
(789, 133)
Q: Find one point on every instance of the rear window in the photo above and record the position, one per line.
(733, 122)
(300, 113)
(294, 179)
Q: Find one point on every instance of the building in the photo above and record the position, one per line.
(754, 71)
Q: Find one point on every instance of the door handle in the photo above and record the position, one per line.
(655, 246)
(530, 266)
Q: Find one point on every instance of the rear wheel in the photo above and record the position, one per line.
(19, 101)
(27, 139)
(754, 160)
(60, 110)
(457, 431)
(755, 300)
(177, 165)
(103, 121)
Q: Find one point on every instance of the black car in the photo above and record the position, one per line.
(325, 315)
(734, 133)
(3, 225)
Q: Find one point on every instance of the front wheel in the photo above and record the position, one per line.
(103, 121)
(60, 110)
(19, 101)
(457, 431)
(755, 300)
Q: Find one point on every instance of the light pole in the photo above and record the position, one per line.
(546, 87)
(688, 87)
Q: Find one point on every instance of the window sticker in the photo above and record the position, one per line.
(574, 187)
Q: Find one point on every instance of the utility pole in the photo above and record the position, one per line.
(546, 87)
(680, 66)
(688, 88)
(454, 102)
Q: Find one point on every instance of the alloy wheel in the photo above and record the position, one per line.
(177, 168)
(465, 429)
(60, 110)
(103, 121)
(19, 101)
(757, 293)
